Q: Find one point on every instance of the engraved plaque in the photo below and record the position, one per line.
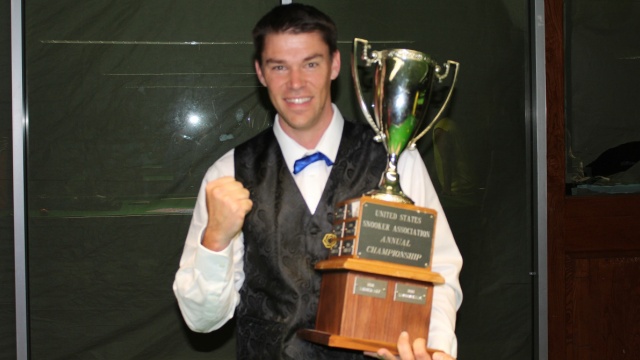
(346, 248)
(370, 287)
(397, 235)
(410, 294)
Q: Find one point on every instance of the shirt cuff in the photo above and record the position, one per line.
(449, 346)
(214, 265)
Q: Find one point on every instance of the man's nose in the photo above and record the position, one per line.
(296, 79)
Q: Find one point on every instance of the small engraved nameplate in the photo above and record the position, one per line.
(410, 294)
(347, 247)
(370, 287)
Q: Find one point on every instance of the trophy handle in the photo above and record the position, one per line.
(356, 80)
(447, 65)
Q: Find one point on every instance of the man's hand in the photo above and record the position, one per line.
(227, 204)
(408, 352)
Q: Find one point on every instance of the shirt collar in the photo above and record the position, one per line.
(328, 144)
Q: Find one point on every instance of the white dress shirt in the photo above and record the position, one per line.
(207, 283)
(312, 180)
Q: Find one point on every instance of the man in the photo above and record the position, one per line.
(257, 227)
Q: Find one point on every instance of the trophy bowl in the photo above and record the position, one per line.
(402, 86)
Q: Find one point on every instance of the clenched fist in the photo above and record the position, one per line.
(227, 204)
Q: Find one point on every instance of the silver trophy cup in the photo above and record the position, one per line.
(402, 87)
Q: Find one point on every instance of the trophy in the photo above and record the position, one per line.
(377, 280)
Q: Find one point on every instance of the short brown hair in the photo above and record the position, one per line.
(295, 18)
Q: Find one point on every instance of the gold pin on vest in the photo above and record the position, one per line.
(330, 240)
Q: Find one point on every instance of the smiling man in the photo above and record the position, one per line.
(264, 206)
(297, 70)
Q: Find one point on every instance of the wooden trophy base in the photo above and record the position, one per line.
(324, 338)
(366, 304)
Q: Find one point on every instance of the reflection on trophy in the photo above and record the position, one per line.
(377, 281)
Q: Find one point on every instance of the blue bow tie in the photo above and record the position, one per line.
(302, 163)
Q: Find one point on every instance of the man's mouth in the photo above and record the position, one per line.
(300, 100)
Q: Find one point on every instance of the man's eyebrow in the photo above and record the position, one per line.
(279, 61)
(273, 61)
(313, 57)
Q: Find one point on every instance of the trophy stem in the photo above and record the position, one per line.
(389, 188)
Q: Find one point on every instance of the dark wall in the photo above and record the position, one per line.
(130, 102)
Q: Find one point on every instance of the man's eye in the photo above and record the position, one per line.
(312, 65)
(278, 68)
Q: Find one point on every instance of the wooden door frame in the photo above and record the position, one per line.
(555, 89)
(576, 225)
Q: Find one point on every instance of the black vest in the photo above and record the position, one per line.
(283, 242)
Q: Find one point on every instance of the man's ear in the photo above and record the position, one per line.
(335, 65)
(259, 73)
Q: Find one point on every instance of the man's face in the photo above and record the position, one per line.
(297, 70)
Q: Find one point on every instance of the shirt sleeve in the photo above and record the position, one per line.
(206, 284)
(447, 261)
